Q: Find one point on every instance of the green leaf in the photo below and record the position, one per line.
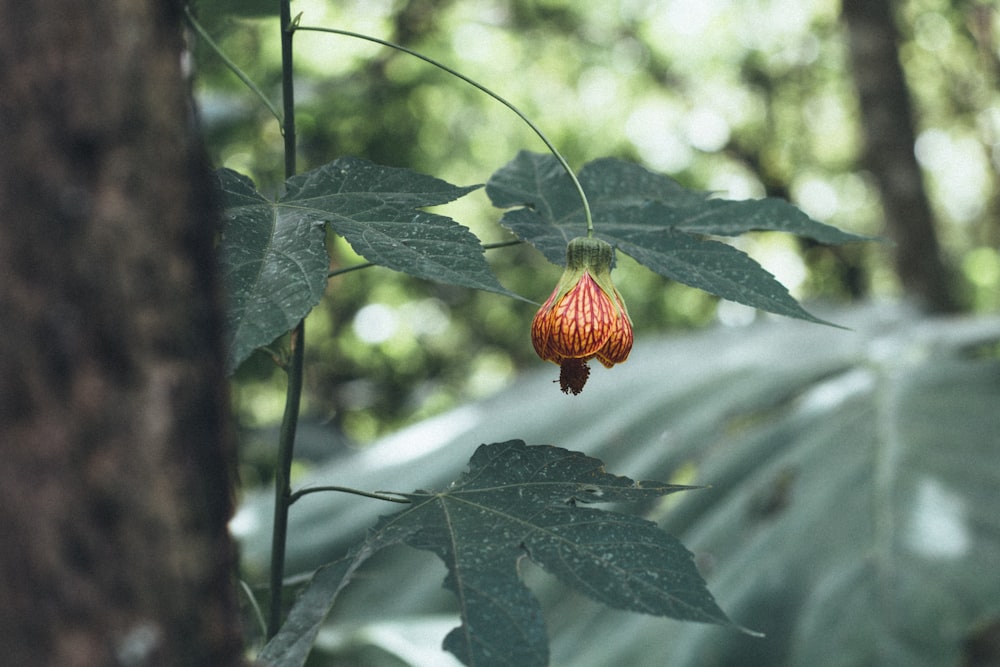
(654, 220)
(714, 267)
(518, 501)
(274, 257)
(891, 473)
(375, 209)
(293, 643)
(619, 184)
(274, 266)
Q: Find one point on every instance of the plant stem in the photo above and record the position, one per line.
(233, 67)
(288, 87)
(502, 244)
(366, 265)
(252, 599)
(297, 342)
(481, 87)
(344, 489)
(282, 481)
(348, 269)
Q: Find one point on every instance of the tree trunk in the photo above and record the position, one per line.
(115, 482)
(888, 126)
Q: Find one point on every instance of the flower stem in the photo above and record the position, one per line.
(481, 87)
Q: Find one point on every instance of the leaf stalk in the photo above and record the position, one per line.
(282, 481)
(482, 88)
(367, 265)
(293, 392)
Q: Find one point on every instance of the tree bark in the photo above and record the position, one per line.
(887, 119)
(115, 482)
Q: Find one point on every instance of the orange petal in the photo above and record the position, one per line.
(582, 320)
(541, 337)
(619, 344)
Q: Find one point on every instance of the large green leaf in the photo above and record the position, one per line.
(376, 209)
(520, 501)
(852, 515)
(654, 220)
(274, 256)
(274, 265)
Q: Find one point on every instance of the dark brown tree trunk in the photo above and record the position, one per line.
(888, 125)
(115, 464)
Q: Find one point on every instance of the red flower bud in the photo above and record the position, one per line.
(584, 317)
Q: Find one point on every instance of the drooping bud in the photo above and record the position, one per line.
(584, 317)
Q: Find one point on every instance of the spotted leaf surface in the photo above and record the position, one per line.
(657, 222)
(518, 501)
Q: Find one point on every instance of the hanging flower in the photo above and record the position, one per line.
(584, 317)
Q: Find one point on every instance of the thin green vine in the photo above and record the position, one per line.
(254, 606)
(344, 489)
(233, 67)
(481, 87)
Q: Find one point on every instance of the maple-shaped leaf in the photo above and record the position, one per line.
(275, 262)
(656, 221)
(274, 266)
(519, 501)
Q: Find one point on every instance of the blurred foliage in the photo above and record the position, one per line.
(747, 99)
(852, 513)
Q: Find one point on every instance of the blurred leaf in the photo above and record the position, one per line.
(901, 568)
(274, 265)
(654, 220)
(375, 209)
(618, 184)
(852, 515)
(218, 10)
